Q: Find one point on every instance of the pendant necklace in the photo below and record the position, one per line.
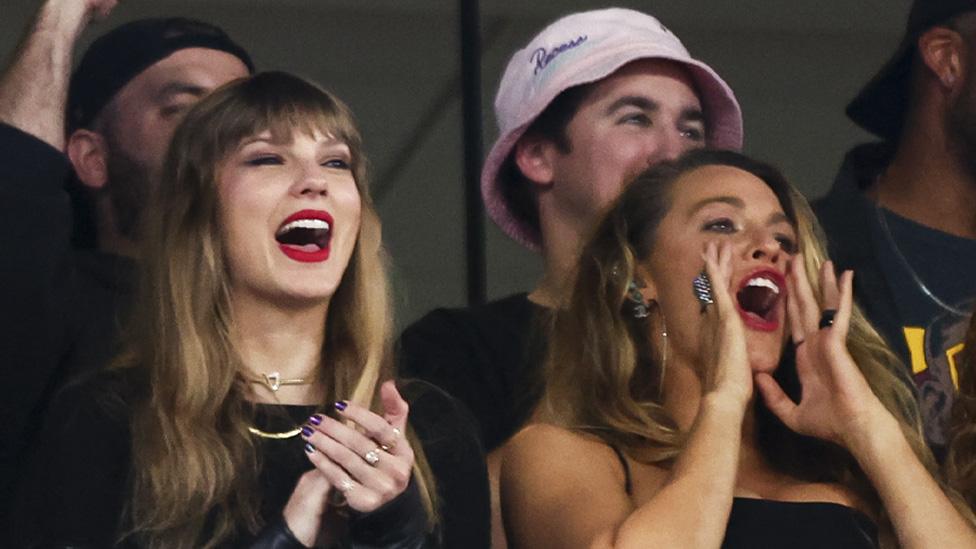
(273, 382)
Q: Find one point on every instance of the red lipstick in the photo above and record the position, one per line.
(318, 246)
(769, 321)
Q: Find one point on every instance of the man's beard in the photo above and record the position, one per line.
(128, 190)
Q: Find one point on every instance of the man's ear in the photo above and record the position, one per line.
(942, 51)
(89, 156)
(534, 157)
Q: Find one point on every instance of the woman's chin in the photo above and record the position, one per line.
(763, 363)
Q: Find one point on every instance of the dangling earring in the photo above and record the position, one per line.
(636, 298)
(664, 348)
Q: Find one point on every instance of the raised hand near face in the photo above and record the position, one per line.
(723, 336)
(837, 401)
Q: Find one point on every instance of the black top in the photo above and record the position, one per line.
(890, 255)
(771, 524)
(59, 307)
(489, 357)
(75, 493)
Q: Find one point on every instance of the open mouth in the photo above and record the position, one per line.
(758, 297)
(305, 235)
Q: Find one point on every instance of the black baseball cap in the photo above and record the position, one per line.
(881, 105)
(121, 54)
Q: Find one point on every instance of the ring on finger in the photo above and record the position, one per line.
(387, 446)
(372, 457)
(345, 485)
(827, 318)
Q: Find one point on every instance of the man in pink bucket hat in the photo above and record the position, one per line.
(588, 104)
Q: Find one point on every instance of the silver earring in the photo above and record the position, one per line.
(664, 348)
(634, 295)
(702, 288)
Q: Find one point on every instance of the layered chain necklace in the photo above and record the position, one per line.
(273, 382)
(882, 220)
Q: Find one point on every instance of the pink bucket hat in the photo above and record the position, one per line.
(581, 48)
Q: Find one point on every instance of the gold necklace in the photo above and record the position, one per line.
(275, 436)
(273, 381)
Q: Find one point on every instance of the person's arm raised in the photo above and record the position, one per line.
(838, 405)
(34, 87)
(562, 489)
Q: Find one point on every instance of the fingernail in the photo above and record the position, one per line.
(306, 431)
(309, 448)
(341, 405)
(315, 420)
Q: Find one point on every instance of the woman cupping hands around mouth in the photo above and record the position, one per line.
(711, 384)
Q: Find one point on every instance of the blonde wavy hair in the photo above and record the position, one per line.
(604, 375)
(194, 463)
(960, 462)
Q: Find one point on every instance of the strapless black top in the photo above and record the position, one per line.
(769, 524)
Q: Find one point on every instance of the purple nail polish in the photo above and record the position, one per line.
(306, 431)
(309, 448)
(315, 420)
(341, 405)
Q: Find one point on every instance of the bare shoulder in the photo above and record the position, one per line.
(550, 447)
(560, 488)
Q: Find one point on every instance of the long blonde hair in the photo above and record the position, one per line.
(604, 375)
(960, 462)
(194, 463)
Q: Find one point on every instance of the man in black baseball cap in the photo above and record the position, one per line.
(61, 308)
(902, 212)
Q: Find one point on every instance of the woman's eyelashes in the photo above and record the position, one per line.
(264, 160)
(277, 160)
(787, 243)
(725, 225)
(336, 163)
(721, 225)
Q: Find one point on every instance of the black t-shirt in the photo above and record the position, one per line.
(60, 308)
(925, 335)
(489, 357)
(76, 490)
(913, 256)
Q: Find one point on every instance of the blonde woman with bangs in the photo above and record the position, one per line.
(252, 405)
(711, 384)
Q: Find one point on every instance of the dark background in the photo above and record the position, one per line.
(793, 64)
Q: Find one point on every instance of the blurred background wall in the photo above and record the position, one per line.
(793, 64)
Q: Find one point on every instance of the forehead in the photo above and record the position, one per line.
(201, 69)
(723, 181)
(285, 136)
(668, 83)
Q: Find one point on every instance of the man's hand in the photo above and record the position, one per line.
(34, 87)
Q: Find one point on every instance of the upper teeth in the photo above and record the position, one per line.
(763, 283)
(305, 224)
